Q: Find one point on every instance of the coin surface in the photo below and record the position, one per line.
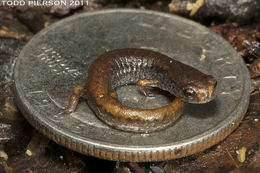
(57, 59)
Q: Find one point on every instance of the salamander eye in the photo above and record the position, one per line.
(189, 92)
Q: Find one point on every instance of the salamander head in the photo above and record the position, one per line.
(191, 85)
(199, 89)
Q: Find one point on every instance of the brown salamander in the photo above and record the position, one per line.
(147, 69)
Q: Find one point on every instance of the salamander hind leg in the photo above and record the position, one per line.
(75, 95)
(145, 86)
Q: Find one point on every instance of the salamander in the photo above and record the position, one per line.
(147, 69)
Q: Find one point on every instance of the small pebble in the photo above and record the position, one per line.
(28, 153)
(241, 154)
(3, 155)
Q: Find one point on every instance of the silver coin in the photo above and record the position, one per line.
(57, 59)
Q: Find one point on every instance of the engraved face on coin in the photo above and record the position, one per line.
(57, 59)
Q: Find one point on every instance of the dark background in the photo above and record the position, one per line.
(23, 149)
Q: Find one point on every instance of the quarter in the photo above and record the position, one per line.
(57, 59)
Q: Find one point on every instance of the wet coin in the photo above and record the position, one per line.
(57, 59)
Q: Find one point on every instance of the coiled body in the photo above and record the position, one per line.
(148, 69)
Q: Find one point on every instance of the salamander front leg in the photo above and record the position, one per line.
(114, 95)
(145, 86)
(75, 95)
